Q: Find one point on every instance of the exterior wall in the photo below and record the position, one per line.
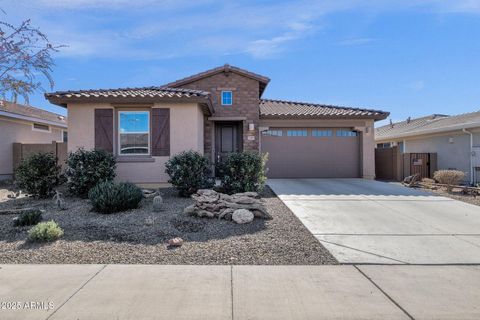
(186, 133)
(454, 155)
(13, 131)
(245, 104)
(365, 128)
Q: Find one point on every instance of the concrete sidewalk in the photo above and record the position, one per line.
(240, 292)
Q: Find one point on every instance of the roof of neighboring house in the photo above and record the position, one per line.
(290, 109)
(24, 112)
(128, 95)
(435, 123)
(226, 69)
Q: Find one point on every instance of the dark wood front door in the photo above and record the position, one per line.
(227, 140)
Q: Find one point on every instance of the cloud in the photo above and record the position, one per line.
(417, 85)
(356, 41)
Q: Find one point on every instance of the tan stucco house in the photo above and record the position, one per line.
(217, 112)
(455, 140)
(29, 125)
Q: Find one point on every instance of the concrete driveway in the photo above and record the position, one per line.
(364, 221)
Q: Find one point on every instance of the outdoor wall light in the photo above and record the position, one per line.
(251, 126)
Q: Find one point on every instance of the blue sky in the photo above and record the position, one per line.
(411, 57)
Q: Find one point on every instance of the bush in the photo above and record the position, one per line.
(243, 171)
(85, 169)
(38, 174)
(45, 231)
(110, 197)
(449, 177)
(28, 218)
(189, 171)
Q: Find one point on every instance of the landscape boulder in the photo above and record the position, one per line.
(212, 204)
(242, 216)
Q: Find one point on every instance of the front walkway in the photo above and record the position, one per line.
(365, 221)
(240, 292)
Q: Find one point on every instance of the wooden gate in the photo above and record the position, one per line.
(423, 164)
(388, 164)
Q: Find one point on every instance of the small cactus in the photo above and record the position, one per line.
(157, 203)
(59, 202)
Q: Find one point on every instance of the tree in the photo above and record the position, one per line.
(25, 53)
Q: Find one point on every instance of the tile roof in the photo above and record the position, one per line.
(428, 124)
(225, 68)
(129, 95)
(29, 111)
(290, 109)
(130, 92)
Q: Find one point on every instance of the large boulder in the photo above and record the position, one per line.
(242, 216)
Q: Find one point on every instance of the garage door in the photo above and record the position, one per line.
(312, 153)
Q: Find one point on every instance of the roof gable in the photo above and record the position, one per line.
(262, 80)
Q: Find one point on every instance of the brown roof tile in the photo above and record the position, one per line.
(29, 111)
(290, 109)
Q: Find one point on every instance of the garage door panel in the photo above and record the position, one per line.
(312, 157)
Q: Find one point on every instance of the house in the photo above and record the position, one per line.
(454, 139)
(26, 124)
(217, 112)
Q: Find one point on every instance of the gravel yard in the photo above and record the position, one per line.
(455, 194)
(130, 237)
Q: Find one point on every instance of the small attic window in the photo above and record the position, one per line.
(40, 127)
(227, 98)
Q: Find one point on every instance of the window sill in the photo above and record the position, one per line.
(121, 159)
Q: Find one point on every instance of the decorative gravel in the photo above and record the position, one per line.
(130, 237)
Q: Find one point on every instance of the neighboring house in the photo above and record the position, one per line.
(455, 140)
(217, 112)
(26, 124)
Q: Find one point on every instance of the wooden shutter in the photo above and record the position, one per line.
(160, 132)
(104, 129)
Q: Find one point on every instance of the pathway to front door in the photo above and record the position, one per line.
(365, 221)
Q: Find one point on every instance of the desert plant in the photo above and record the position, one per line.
(189, 171)
(449, 177)
(85, 169)
(38, 174)
(45, 231)
(28, 218)
(243, 171)
(110, 197)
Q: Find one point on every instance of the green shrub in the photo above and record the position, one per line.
(109, 197)
(189, 171)
(85, 169)
(38, 174)
(28, 218)
(45, 231)
(243, 171)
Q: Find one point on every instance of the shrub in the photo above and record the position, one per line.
(243, 171)
(110, 197)
(28, 218)
(449, 177)
(85, 169)
(38, 174)
(45, 231)
(189, 171)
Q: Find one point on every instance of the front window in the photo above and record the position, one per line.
(297, 133)
(346, 133)
(134, 132)
(227, 98)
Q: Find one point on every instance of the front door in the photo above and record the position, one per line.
(227, 140)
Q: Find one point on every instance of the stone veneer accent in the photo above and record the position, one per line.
(245, 104)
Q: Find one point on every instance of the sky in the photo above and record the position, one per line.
(411, 58)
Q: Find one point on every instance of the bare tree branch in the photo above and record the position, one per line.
(25, 54)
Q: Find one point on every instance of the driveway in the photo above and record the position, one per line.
(365, 221)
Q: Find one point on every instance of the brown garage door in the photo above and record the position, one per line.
(312, 153)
